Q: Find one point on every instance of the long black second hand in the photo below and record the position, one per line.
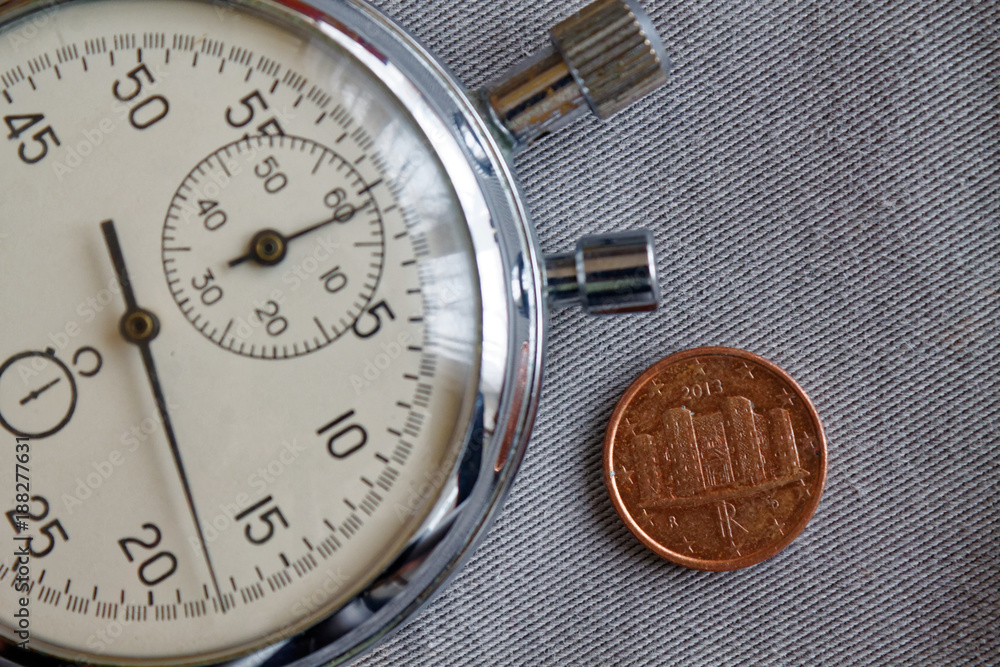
(118, 259)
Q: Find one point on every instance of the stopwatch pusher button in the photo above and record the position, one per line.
(602, 59)
(607, 274)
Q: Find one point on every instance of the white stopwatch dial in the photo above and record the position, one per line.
(315, 379)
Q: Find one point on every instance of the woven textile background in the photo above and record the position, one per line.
(823, 178)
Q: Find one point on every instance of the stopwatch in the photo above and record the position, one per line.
(273, 317)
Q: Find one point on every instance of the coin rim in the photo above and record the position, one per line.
(699, 563)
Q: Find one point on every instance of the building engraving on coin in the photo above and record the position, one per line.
(712, 459)
(728, 454)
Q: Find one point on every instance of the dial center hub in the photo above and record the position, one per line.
(269, 247)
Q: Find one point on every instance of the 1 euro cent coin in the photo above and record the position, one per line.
(715, 458)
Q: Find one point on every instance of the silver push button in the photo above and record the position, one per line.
(608, 274)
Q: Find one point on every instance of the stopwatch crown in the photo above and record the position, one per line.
(602, 59)
(614, 54)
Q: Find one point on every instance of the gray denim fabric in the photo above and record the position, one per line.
(822, 177)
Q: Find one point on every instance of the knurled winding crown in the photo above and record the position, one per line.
(614, 53)
(602, 59)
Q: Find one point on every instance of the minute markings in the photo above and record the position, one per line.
(222, 165)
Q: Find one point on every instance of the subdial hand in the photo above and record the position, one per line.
(38, 392)
(140, 327)
(269, 247)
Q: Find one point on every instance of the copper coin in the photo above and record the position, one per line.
(715, 458)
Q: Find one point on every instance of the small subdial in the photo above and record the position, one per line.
(274, 246)
(37, 394)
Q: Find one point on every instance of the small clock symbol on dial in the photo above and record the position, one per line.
(274, 246)
(37, 394)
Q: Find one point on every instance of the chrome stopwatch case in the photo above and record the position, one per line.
(273, 317)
